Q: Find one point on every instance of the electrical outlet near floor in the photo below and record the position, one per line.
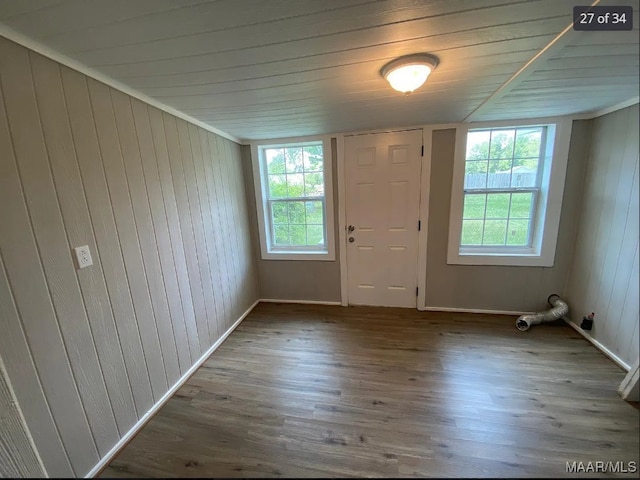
(83, 256)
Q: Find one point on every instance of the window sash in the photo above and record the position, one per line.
(270, 200)
(535, 191)
(291, 228)
(272, 234)
(541, 151)
(532, 218)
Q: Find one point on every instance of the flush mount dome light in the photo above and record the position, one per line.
(407, 73)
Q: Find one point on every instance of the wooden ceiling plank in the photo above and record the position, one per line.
(563, 38)
(345, 79)
(458, 54)
(581, 51)
(78, 15)
(12, 9)
(192, 19)
(358, 26)
(322, 46)
(586, 72)
(201, 52)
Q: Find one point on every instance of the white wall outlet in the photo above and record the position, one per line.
(83, 256)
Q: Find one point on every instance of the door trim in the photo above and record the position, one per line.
(342, 220)
(423, 209)
(423, 214)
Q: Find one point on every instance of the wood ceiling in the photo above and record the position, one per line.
(277, 68)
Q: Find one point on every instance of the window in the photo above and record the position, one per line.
(294, 194)
(503, 188)
(501, 184)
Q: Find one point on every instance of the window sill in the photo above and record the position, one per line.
(291, 255)
(500, 259)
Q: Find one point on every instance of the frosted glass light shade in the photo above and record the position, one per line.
(406, 79)
(406, 74)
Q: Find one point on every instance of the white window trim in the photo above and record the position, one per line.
(542, 253)
(266, 251)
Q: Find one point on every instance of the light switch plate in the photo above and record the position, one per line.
(83, 256)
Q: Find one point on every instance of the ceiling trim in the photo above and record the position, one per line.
(615, 108)
(560, 41)
(38, 47)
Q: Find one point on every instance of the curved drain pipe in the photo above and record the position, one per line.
(558, 310)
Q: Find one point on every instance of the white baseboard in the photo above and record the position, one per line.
(303, 302)
(629, 388)
(160, 403)
(617, 360)
(472, 310)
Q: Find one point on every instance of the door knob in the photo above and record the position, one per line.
(351, 228)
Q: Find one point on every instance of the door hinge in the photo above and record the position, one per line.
(416, 291)
(419, 225)
(422, 151)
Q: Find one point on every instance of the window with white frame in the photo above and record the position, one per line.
(293, 191)
(503, 189)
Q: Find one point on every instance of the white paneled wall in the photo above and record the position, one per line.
(604, 275)
(160, 203)
(18, 457)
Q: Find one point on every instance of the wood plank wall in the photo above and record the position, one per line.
(604, 274)
(18, 457)
(161, 204)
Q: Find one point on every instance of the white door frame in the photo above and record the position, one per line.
(425, 193)
(342, 221)
(423, 211)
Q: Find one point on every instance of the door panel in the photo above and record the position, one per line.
(382, 204)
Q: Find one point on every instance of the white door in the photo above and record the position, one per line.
(382, 205)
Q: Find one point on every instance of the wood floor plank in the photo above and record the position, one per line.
(324, 391)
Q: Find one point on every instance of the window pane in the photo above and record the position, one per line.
(275, 160)
(502, 143)
(521, 205)
(471, 232)
(495, 232)
(281, 234)
(293, 157)
(475, 174)
(314, 213)
(277, 186)
(528, 141)
(499, 174)
(474, 206)
(518, 233)
(478, 145)
(315, 235)
(298, 235)
(295, 185)
(296, 213)
(313, 184)
(498, 205)
(313, 158)
(279, 213)
(524, 172)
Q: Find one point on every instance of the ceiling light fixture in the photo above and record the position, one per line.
(407, 73)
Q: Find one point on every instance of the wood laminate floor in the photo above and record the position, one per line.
(317, 391)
